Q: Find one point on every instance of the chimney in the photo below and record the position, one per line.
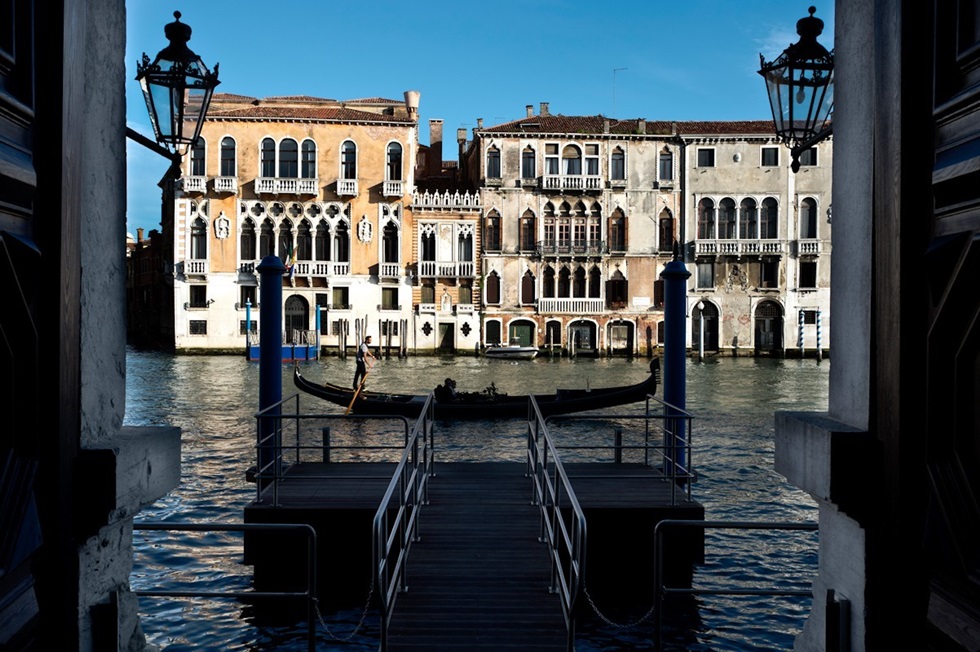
(641, 126)
(479, 123)
(544, 108)
(605, 125)
(435, 148)
(139, 234)
(530, 110)
(412, 104)
(461, 139)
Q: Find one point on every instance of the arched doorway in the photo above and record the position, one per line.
(491, 332)
(582, 338)
(620, 337)
(707, 314)
(522, 332)
(552, 334)
(297, 314)
(768, 327)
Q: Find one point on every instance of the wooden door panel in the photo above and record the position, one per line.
(952, 347)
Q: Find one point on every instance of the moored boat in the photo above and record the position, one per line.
(512, 351)
(487, 404)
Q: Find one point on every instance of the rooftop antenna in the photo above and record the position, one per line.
(615, 70)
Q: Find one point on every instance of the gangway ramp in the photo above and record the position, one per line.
(478, 577)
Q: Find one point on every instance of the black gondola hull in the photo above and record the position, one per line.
(482, 406)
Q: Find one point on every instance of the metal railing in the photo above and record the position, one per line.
(662, 590)
(309, 594)
(281, 436)
(666, 443)
(563, 525)
(396, 522)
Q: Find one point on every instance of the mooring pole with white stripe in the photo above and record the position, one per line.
(802, 348)
(819, 335)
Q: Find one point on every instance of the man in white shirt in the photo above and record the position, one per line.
(363, 354)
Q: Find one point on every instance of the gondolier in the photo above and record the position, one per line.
(363, 353)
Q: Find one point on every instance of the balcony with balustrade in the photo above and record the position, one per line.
(447, 269)
(715, 247)
(809, 247)
(570, 306)
(347, 187)
(193, 267)
(390, 270)
(226, 185)
(193, 184)
(572, 183)
(310, 268)
(393, 188)
(286, 186)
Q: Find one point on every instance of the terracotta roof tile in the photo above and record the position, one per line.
(373, 100)
(726, 127)
(231, 97)
(296, 98)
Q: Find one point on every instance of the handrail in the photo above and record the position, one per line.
(661, 590)
(394, 530)
(269, 475)
(551, 488)
(675, 452)
(309, 593)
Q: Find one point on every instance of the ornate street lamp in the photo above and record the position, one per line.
(800, 84)
(177, 87)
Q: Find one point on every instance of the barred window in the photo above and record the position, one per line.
(198, 327)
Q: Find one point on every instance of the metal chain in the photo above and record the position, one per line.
(360, 624)
(609, 622)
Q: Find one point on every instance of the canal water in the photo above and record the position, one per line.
(212, 399)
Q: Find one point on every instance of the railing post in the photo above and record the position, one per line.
(270, 270)
(618, 445)
(325, 444)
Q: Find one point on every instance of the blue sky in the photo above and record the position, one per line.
(653, 59)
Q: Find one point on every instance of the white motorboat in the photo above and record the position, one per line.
(512, 351)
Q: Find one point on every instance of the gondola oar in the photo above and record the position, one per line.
(358, 390)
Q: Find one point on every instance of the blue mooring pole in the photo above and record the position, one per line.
(248, 329)
(675, 277)
(271, 270)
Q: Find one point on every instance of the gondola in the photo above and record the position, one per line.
(488, 404)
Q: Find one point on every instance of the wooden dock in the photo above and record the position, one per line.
(478, 579)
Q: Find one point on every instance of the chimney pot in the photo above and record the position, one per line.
(479, 123)
(530, 110)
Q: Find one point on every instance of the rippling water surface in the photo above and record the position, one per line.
(212, 399)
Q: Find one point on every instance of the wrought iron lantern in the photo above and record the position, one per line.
(800, 85)
(177, 87)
